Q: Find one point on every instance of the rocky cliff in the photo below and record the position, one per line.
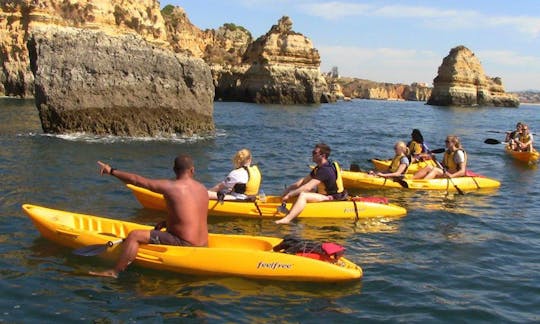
(281, 66)
(19, 17)
(461, 81)
(366, 89)
(89, 81)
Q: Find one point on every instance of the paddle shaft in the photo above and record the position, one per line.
(506, 132)
(449, 178)
(96, 249)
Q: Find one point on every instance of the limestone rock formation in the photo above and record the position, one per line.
(281, 66)
(88, 81)
(19, 17)
(461, 81)
(223, 46)
(366, 89)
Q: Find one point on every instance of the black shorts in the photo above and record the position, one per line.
(166, 238)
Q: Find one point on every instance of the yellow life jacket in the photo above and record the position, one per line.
(414, 148)
(449, 163)
(524, 138)
(254, 180)
(395, 163)
(321, 188)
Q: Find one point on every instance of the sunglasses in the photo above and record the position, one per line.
(315, 153)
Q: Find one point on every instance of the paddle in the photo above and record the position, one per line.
(283, 208)
(96, 249)
(221, 196)
(501, 132)
(399, 179)
(493, 141)
(437, 151)
(450, 178)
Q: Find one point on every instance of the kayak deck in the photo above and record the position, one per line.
(238, 255)
(527, 157)
(269, 209)
(362, 180)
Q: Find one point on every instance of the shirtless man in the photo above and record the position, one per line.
(187, 210)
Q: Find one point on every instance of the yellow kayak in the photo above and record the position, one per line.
(383, 165)
(362, 180)
(226, 255)
(352, 209)
(527, 157)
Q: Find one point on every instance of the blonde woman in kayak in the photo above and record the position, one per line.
(454, 162)
(400, 162)
(241, 183)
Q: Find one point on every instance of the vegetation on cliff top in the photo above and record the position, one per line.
(167, 10)
(233, 27)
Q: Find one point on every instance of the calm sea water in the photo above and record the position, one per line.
(471, 258)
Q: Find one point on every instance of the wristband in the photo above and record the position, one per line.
(112, 170)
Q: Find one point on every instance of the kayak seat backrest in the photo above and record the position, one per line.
(354, 167)
(312, 249)
(470, 173)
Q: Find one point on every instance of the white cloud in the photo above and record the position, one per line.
(335, 9)
(526, 25)
(509, 58)
(518, 72)
(381, 64)
(429, 16)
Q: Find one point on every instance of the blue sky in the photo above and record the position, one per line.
(396, 41)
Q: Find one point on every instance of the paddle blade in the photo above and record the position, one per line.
(458, 190)
(401, 182)
(96, 249)
(437, 151)
(492, 141)
(91, 250)
(283, 208)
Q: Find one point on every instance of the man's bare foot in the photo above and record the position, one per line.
(106, 273)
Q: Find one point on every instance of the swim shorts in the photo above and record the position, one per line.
(166, 238)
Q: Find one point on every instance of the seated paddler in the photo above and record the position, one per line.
(323, 183)
(454, 162)
(418, 150)
(399, 164)
(242, 183)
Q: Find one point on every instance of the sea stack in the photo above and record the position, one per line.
(89, 81)
(461, 81)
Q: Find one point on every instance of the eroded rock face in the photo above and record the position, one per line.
(281, 66)
(88, 81)
(19, 17)
(461, 81)
(366, 89)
